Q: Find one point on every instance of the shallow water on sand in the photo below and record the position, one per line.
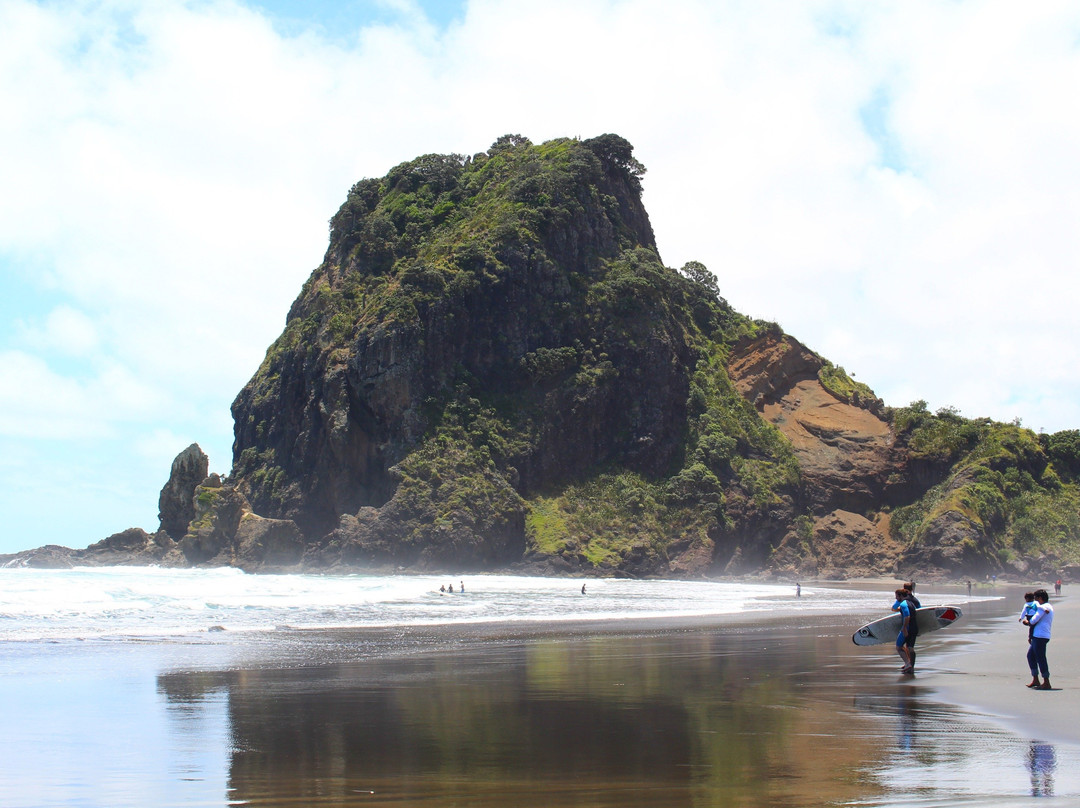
(781, 713)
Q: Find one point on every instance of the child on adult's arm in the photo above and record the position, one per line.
(1041, 623)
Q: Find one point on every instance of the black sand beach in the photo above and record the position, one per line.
(718, 712)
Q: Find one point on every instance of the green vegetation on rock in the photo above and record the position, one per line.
(493, 355)
(1008, 497)
(492, 365)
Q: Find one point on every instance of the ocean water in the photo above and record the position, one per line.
(146, 603)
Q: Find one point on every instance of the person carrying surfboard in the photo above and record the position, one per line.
(909, 630)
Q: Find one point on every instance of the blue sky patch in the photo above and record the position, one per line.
(875, 120)
(341, 20)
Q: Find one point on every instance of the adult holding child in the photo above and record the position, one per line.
(1041, 623)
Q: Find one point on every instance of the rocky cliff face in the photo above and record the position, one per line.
(492, 367)
(517, 294)
(448, 276)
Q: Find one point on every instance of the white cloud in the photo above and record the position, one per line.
(176, 164)
(39, 402)
(65, 330)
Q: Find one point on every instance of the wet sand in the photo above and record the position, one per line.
(991, 672)
(783, 711)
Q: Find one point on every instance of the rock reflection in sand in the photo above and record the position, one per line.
(757, 717)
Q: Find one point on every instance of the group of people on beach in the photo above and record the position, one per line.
(906, 603)
(1038, 616)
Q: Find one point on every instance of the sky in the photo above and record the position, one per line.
(895, 183)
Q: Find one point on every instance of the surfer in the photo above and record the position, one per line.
(909, 630)
(909, 592)
(1041, 622)
(583, 589)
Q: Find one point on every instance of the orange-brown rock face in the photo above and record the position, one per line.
(845, 451)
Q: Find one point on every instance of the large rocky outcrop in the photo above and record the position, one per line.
(386, 346)
(492, 368)
(492, 364)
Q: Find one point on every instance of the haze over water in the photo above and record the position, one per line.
(379, 690)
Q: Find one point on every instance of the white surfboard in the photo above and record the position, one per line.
(929, 618)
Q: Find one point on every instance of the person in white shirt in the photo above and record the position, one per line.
(1041, 622)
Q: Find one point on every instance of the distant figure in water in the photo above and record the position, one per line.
(443, 589)
(798, 590)
(462, 587)
(451, 589)
(969, 587)
(583, 589)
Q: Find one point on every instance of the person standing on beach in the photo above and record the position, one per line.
(910, 587)
(798, 590)
(909, 630)
(909, 594)
(1041, 623)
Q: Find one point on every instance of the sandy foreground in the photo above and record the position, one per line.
(989, 675)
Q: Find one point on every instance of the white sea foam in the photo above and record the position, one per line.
(142, 602)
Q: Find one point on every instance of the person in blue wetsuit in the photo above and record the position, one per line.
(909, 630)
(1040, 622)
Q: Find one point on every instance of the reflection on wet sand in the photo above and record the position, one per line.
(755, 717)
(694, 719)
(1042, 761)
